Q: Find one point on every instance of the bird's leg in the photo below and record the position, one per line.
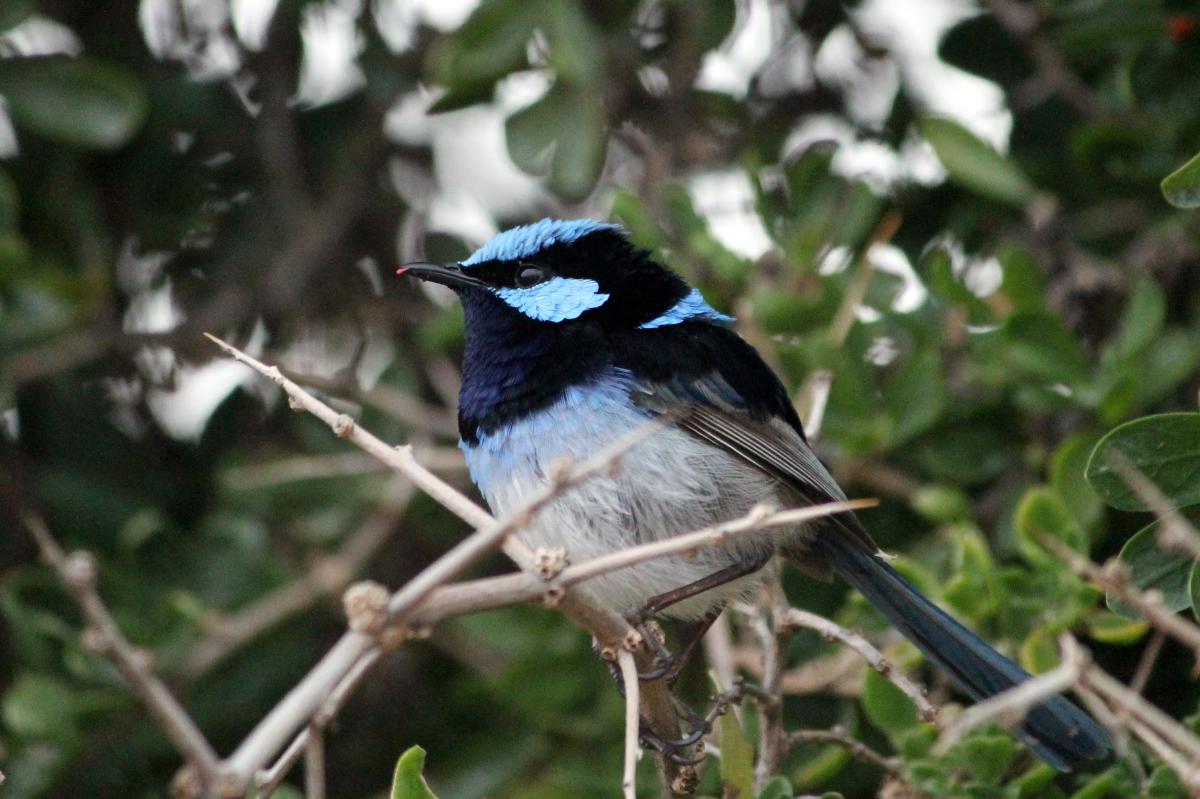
(666, 664)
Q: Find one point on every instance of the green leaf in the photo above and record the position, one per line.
(941, 503)
(972, 589)
(965, 453)
(40, 708)
(1113, 628)
(1039, 345)
(490, 45)
(737, 760)
(82, 102)
(1041, 512)
(777, 788)
(822, 767)
(716, 22)
(1164, 784)
(408, 781)
(1165, 448)
(886, 706)
(1151, 566)
(1194, 588)
(1067, 470)
(562, 134)
(1182, 187)
(1039, 652)
(985, 755)
(916, 395)
(1142, 322)
(973, 163)
(575, 53)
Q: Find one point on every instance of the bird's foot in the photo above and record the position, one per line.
(674, 750)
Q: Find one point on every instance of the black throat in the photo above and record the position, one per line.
(513, 366)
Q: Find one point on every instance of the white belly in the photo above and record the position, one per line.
(666, 485)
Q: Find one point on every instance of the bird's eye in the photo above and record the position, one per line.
(529, 275)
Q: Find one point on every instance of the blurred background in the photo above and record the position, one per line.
(949, 208)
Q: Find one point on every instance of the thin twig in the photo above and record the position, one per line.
(270, 778)
(314, 766)
(629, 678)
(1146, 663)
(1175, 532)
(773, 639)
(857, 749)
(847, 312)
(831, 631)
(759, 518)
(257, 476)
(78, 573)
(1113, 578)
(328, 576)
(814, 398)
(1187, 772)
(1135, 706)
(1010, 706)
(1023, 21)
(385, 399)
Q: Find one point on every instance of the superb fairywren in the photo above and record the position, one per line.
(575, 337)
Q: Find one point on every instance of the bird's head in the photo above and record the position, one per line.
(567, 274)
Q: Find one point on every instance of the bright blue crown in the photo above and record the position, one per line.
(528, 240)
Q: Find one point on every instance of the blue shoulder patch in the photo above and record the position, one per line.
(693, 306)
(527, 240)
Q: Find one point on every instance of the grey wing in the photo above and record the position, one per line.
(706, 409)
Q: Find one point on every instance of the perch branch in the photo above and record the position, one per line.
(606, 626)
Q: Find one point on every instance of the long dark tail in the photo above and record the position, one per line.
(1058, 731)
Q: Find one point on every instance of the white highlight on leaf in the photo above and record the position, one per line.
(332, 44)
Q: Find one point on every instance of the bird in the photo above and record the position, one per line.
(574, 337)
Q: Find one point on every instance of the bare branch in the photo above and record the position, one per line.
(1114, 579)
(385, 399)
(607, 627)
(1175, 532)
(629, 678)
(830, 631)
(1133, 705)
(257, 476)
(328, 576)
(314, 765)
(773, 638)
(78, 574)
(1010, 706)
(857, 749)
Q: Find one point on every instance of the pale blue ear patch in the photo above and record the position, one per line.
(693, 306)
(556, 300)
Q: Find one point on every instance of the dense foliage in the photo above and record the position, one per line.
(986, 316)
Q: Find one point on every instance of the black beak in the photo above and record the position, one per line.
(450, 274)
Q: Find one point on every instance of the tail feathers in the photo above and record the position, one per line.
(1058, 731)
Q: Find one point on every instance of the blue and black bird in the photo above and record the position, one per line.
(574, 338)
